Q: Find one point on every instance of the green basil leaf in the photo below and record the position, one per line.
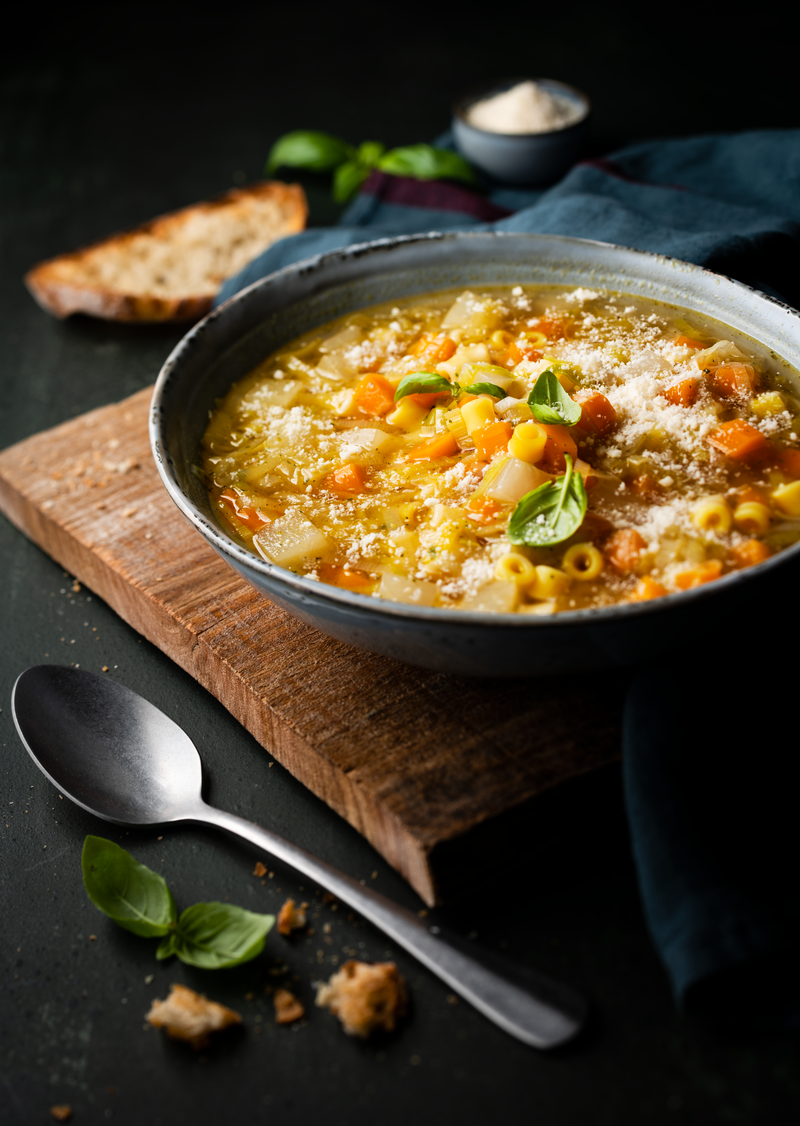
(551, 513)
(486, 389)
(370, 152)
(134, 896)
(550, 403)
(348, 178)
(422, 383)
(424, 162)
(215, 935)
(307, 148)
(166, 947)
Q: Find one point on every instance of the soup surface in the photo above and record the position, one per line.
(522, 449)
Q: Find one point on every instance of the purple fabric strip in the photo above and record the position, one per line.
(438, 195)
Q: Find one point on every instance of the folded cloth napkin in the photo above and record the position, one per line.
(707, 754)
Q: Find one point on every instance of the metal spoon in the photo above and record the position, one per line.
(120, 758)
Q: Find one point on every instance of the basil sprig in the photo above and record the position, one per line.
(208, 935)
(550, 403)
(423, 383)
(551, 513)
(322, 152)
(485, 389)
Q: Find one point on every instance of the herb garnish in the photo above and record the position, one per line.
(322, 152)
(208, 935)
(485, 389)
(550, 403)
(551, 513)
(423, 383)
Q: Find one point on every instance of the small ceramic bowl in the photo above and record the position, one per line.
(521, 158)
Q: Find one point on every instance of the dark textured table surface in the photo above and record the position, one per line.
(104, 125)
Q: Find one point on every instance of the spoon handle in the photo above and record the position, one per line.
(537, 1010)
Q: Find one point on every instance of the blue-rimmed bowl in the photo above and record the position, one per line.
(528, 159)
(228, 343)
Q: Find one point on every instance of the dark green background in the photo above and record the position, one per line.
(115, 116)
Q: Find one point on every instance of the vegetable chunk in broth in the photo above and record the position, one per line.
(524, 449)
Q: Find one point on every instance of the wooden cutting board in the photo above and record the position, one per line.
(441, 774)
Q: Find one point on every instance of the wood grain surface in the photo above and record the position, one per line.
(439, 773)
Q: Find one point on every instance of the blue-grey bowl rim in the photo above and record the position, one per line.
(425, 614)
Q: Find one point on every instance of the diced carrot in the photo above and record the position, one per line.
(374, 365)
(492, 439)
(597, 414)
(374, 395)
(349, 578)
(739, 440)
(696, 576)
(559, 443)
(749, 553)
(789, 462)
(733, 380)
(646, 589)
(623, 548)
(250, 517)
(554, 328)
(519, 351)
(683, 393)
(687, 342)
(428, 398)
(434, 350)
(441, 445)
(484, 509)
(749, 495)
(347, 480)
(645, 485)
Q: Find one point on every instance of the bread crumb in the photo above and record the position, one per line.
(365, 997)
(260, 869)
(61, 1113)
(189, 1016)
(291, 918)
(287, 1007)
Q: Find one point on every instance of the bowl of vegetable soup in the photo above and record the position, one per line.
(494, 454)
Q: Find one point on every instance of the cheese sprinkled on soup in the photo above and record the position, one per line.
(524, 449)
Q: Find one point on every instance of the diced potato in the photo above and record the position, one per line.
(363, 444)
(335, 366)
(271, 393)
(497, 597)
(291, 541)
(513, 480)
(477, 414)
(771, 402)
(787, 498)
(347, 338)
(395, 588)
(476, 314)
(408, 415)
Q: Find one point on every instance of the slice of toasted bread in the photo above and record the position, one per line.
(170, 268)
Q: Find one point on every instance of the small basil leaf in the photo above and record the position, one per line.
(424, 162)
(216, 935)
(348, 178)
(370, 152)
(166, 947)
(550, 403)
(422, 383)
(486, 389)
(551, 513)
(307, 148)
(134, 896)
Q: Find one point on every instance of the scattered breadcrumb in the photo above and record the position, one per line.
(189, 1016)
(291, 918)
(287, 1007)
(61, 1113)
(260, 869)
(365, 997)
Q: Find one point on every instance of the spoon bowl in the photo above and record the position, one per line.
(120, 758)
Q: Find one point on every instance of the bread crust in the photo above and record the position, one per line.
(64, 285)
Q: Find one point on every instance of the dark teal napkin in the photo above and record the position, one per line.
(709, 744)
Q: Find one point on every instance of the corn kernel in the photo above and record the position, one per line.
(787, 498)
(528, 442)
(549, 583)
(477, 413)
(712, 514)
(583, 561)
(751, 517)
